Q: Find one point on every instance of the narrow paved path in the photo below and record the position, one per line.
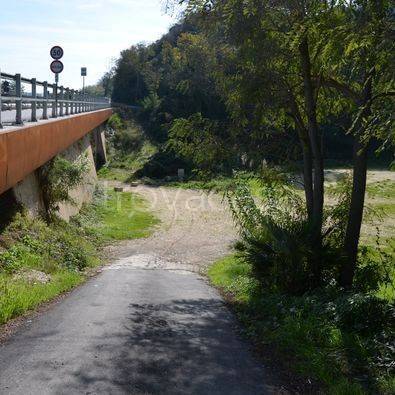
(147, 324)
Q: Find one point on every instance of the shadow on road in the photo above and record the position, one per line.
(181, 347)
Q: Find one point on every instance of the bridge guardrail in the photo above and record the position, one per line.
(18, 94)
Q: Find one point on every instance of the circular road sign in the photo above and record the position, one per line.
(56, 66)
(56, 52)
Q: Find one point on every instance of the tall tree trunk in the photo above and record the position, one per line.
(308, 180)
(355, 215)
(307, 157)
(316, 148)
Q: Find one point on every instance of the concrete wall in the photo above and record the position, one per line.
(28, 192)
(80, 151)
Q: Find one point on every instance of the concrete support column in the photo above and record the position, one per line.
(99, 141)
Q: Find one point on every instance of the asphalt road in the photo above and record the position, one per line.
(8, 117)
(132, 331)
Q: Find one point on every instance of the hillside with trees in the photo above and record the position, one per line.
(274, 94)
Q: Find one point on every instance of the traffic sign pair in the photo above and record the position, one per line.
(56, 54)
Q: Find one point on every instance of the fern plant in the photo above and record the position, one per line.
(276, 233)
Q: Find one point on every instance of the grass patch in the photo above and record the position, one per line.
(343, 341)
(119, 216)
(219, 184)
(18, 296)
(113, 174)
(381, 189)
(215, 184)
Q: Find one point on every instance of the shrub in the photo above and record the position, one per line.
(276, 233)
(58, 177)
(115, 122)
(375, 267)
(47, 247)
(362, 313)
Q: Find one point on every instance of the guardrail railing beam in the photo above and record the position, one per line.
(17, 99)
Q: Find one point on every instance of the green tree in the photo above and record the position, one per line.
(357, 63)
(129, 86)
(293, 59)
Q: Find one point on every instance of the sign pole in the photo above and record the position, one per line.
(56, 93)
(56, 67)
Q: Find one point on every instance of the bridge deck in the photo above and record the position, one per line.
(23, 149)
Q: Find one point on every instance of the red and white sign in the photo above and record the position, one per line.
(56, 66)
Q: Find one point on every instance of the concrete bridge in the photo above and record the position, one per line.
(39, 121)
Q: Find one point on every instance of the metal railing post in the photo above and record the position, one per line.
(18, 102)
(34, 102)
(67, 103)
(71, 101)
(45, 103)
(61, 104)
(54, 109)
(75, 102)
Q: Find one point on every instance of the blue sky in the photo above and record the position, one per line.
(91, 32)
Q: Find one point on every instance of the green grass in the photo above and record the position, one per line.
(216, 184)
(316, 335)
(219, 184)
(120, 216)
(382, 189)
(113, 174)
(18, 296)
(64, 252)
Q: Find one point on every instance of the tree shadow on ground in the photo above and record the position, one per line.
(179, 347)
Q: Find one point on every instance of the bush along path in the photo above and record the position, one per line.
(342, 339)
(42, 259)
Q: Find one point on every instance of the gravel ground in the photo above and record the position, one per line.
(196, 229)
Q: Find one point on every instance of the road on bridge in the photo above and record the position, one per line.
(147, 324)
(8, 117)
